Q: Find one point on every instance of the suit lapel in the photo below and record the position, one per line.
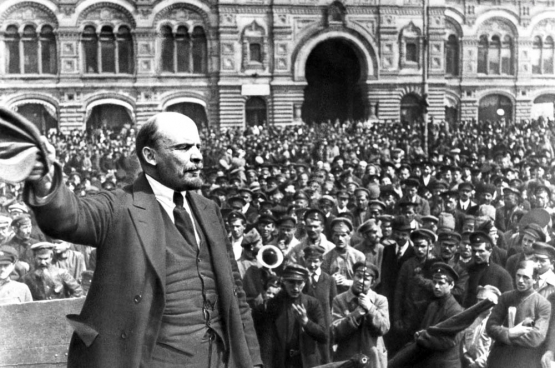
(147, 216)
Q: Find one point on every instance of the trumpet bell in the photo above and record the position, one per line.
(269, 256)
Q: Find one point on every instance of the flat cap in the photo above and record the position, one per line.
(423, 234)
(430, 218)
(479, 237)
(42, 247)
(441, 270)
(267, 219)
(233, 215)
(313, 251)
(342, 221)
(368, 225)
(368, 267)
(8, 255)
(450, 237)
(401, 223)
(541, 248)
(295, 272)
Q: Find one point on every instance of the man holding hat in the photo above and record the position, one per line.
(482, 271)
(294, 324)
(11, 292)
(544, 255)
(321, 286)
(519, 323)
(445, 351)
(339, 261)
(413, 291)
(361, 318)
(47, 281)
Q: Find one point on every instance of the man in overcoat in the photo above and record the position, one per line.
(157, 241)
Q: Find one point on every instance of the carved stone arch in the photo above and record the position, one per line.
(21, 98)
(409, 90)
(362, 46)
(183, 12)
(105, 12)
(544, 28)
(410, 30)
(172, 98)
(497, 25)
(453, 27)
(254, 29)
(126, 101)
(29, 12)
(496, 91)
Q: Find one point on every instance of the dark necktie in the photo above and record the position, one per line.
(183, 220)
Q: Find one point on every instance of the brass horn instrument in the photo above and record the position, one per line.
(269, 256)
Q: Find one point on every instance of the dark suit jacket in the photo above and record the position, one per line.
(119, 323)
(390, 271)
(274, 342)
(324, 291)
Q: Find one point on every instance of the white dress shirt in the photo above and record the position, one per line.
(164, 196)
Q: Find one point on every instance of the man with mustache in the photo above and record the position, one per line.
(166, 292)
(47, 281)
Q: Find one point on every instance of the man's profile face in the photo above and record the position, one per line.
(542, 199)
(4, 231)
(524, 279)
(178, 160)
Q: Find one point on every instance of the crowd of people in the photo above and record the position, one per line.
(349, 239)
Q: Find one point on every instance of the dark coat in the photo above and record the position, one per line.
(324, 291)
(119, 323)
(445, 349)
(274, 341)
(482, 275)
(390, 271)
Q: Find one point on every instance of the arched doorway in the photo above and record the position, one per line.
(411, 111)
(38, 115)
(543, 106)
(333, 72)
(495, 107)
(255, 111)
(193, 110)
(109, 116)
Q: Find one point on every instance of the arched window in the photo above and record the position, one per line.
(167, 49)
(90, 49)
(507, 55)
(483, 54)
(255, 43)
(452, 56)
(547, 56)
(108, 52)
(30, 52)
(199, 50)
(494, 54)
(48, 50)
(183, 52)
(537, 55)
(125, 51)
(183, 49)
(12, 50)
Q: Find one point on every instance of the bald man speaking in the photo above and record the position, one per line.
(165, 293)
